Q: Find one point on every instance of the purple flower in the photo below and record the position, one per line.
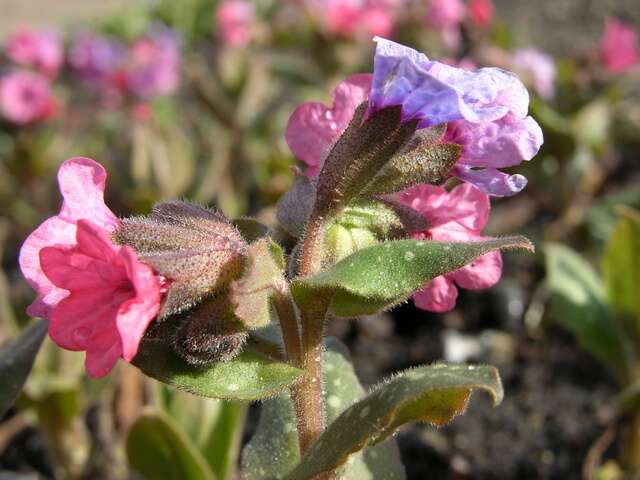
(486, 111)
(100, 62)
(154, 64)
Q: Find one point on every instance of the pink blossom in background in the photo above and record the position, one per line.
(41, 50)
(26, 97)
(313, 127)
(97, 296)
(234, 19)
(481, 12)
(456, 216)
(446, 17)
(352, 17)
(154, 63)
(445, 13)
(539, 67)
(619, 49)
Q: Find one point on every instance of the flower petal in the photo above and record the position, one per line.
(135, 315)
(491, 181)
(483, 272)
(313, 127)
(439, 295)
(82, 183)
(502, 143)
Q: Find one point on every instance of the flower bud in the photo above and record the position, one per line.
(209, 333)
(196, 249)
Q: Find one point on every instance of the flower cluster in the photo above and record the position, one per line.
(102, 281)
(148, 68)
(484, 112)
(26, 94)
(619, 48)
(353, 17)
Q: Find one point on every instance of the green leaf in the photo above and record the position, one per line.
(580, 304)
(274, 451)
(251, 293)
(621, 266)
(249, 376)
(602, 217)
(213, 426)
(156, 448)
(434, 394)
(379, 277)
(16, 361)
(372, 215)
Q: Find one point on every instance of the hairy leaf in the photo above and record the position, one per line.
(434, 394)
(250, 294)
(428, 163)
(16, 361)
(357, 156)
(156, 448)
(379, 277)
(273, 451)
(580, 303)
(249, 376)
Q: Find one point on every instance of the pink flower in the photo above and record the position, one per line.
(443, 14)
(539, 68)
(41, 50)
(26, 97)
(313, 127)
(455, 216)
(481, 12)
(97, 296)
(619, 46)
(234, 19)
(351, 17)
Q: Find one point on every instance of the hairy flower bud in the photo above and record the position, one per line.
(208, 334)
(196, 249)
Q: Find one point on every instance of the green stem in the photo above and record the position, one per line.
(284, 305)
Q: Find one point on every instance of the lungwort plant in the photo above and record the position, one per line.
(391, 205)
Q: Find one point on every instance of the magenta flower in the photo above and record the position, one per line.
(458, 216)
(481, 12)
(313, 127)
(539, 67)
(26, 97)
(40, 50)
(619, 49)
(234, 19)
(97, 296)
(154, 64)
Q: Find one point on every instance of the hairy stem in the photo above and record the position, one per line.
(284, 305)
(307, 394)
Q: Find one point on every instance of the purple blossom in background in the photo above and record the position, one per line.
(41, 50)
(154, 64)
(99, 61)
(539, 67)
(234, 19)
(486, 111)
(26, 97)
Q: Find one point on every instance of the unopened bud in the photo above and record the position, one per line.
(209, 334)
(196, 249)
